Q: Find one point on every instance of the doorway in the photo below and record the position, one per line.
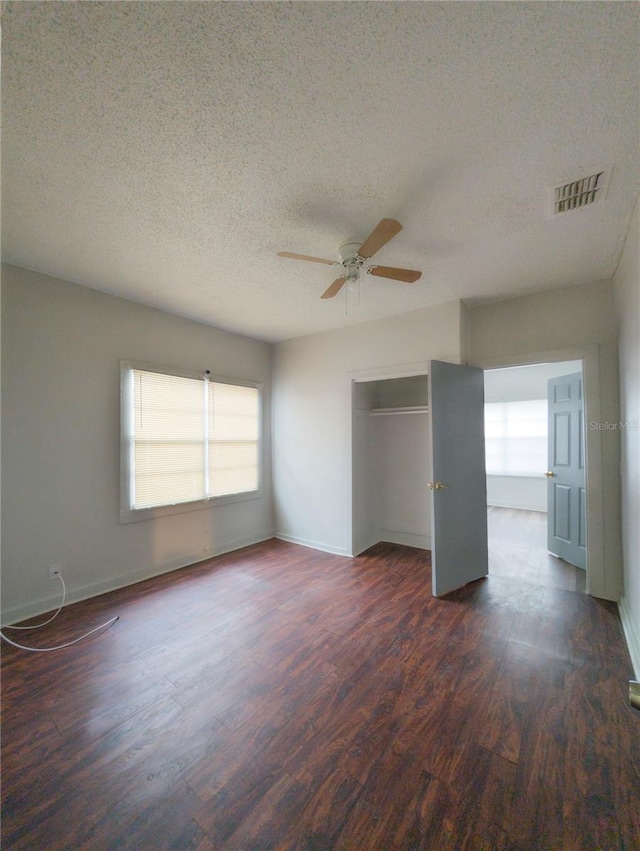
(517, 455)
(359, 492)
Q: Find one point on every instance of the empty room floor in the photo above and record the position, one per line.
(518, 550)
(282, 698)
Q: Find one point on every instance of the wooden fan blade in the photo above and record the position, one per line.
(306, 257)
(409, 276)
(335, 287)
(385, 230)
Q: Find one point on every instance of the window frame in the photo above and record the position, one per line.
(133, 515)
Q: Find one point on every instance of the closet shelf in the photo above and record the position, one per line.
(388, 412)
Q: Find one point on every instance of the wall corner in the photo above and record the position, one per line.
(464, 333)
(631, 634)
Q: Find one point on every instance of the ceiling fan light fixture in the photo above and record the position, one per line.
(348, 253)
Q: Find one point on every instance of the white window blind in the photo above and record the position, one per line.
(190, 439)
(516, 437)
(233, 438)
(168, 439)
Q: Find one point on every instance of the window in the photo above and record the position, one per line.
(186, 439)
(516, 438)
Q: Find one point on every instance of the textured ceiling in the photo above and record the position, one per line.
(166, 151)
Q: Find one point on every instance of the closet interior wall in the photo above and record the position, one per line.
(391, 465)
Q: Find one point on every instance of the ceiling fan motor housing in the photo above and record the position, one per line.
(350, 259)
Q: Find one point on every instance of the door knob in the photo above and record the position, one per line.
(436, 486)
(549, 474)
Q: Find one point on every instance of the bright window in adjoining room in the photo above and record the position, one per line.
(186, 439)
(516, 438)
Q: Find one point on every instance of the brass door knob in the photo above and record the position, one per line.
(549, 474)
(436, 486)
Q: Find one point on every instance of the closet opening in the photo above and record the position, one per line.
(391, 466)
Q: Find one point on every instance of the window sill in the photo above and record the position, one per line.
(135, 515)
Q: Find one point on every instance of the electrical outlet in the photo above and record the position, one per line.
(54, 571)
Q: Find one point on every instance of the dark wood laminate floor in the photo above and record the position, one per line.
(282, 698)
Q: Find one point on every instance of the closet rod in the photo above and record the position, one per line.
(387, 412)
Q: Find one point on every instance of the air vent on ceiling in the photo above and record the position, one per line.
(580, 192)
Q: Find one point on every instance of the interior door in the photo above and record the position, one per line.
(566, 493)
(459, 487)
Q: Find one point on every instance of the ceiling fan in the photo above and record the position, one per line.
(354, 254)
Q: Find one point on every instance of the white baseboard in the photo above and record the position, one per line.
(391, 536)
(86, 592)
(408, 539)
(631, 635)
(362, 549)
(522, 507)
(314, 545)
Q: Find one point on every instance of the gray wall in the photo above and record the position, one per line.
(320, 446)
(402, 463)
(61, 347)
(627, 288)
(522, 383)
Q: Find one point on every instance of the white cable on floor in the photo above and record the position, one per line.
(37, 626)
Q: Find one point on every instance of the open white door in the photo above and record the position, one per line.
(459, 487)
(567, 496)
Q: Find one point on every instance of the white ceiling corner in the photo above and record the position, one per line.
(166, 151)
